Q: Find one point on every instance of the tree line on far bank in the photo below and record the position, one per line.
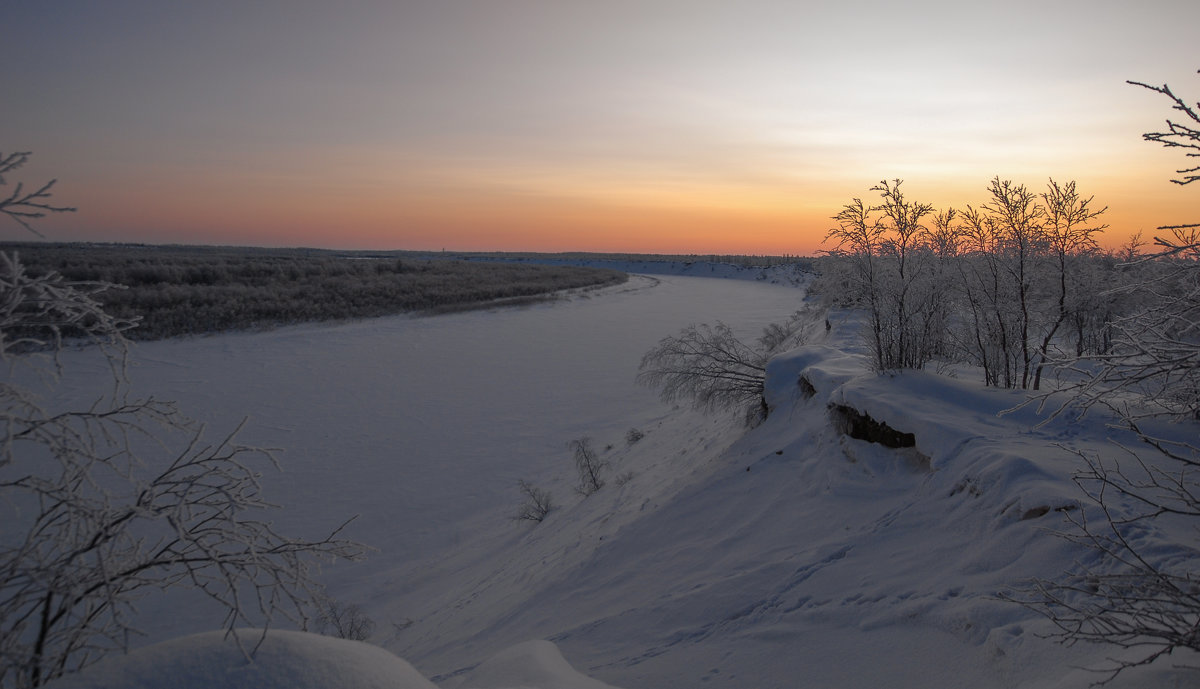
(185, 290)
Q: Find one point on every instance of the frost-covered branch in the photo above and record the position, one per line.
(1183, 134)
(21, 205)
(1130, 593)
(102, 505)
(707, 365)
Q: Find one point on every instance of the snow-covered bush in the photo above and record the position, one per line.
(343, 620)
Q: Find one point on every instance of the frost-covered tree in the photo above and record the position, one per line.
(1017, 222)
(993, 285)
(908, 296)
(887, 249)
(857, 253)
(1070, 226)
(1132, 594)
(714, 369)
(706, 364)
(125, 497)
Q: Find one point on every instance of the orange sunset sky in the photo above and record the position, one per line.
(663, 126)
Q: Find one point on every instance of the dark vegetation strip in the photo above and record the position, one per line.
(196, 290)
(743, 260)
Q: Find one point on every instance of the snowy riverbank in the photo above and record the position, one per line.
(787, 555)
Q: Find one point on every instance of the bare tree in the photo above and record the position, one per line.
(1183, 134)
(1019, 223)
(1070, 226)
(538, 503)
(708, 365)
(103, 505)
(987, 333)
(995, 285)
(588, 465)
(860, 238)
(896, 259)
(909, 294)
(714, 369)
(343, 620)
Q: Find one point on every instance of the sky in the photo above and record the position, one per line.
(662, 126)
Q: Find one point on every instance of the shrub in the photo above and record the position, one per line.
(588, 465)
(537, 505)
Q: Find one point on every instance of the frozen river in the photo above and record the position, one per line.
(395, 418)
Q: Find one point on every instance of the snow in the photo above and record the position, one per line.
(530, 664)
(280, 660)
(787, 555)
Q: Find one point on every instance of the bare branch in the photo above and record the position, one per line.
(588, 465)
(707, 365)
(1179, 134)
(24, 206)
(537, 505)
(92, 523)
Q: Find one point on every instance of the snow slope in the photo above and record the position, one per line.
(788, 555)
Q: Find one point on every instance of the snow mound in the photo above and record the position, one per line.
(529, 665)
(300, 660)
(284, 660)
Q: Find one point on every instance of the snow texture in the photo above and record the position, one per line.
(283, 660)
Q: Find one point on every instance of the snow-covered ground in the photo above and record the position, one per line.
(785, 556)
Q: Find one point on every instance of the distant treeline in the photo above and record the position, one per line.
(177, 290)
(744, 260)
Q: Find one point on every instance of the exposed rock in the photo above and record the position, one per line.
(807, 388)
(859, 426)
